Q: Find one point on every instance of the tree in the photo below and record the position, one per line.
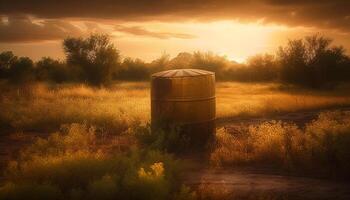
(48, 69)
(133, 69)
(312, 62)
(160, 63)
(94, 58)
(21, 71)
(211, 62)
(262, 67)
(6, 60)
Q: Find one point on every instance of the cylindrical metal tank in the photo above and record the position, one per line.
(185, 97)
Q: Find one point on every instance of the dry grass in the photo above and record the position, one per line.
(45, 108)
(321, 148)
(248, 99)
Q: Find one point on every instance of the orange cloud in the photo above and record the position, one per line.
(137, 30)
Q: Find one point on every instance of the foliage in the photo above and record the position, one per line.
(323, 142)
(133, 69)
(169, 139)
(94, 59)
(313, 62)
(310, 62)
(7, 59)
(71, 165)
(48, 69)
(21, 71)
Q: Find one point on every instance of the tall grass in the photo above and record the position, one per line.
(250, 100)
(321, 148)
(44, 108)
(41, 108)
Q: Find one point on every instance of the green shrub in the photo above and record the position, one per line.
(170, 139)
(71, 165)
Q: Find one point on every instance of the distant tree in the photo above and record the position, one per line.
(94, 58)
(211, 62)
(21, 71)
(133, 69)
(7, 58)
(312, 62)
(160, 63)
(48, 69)
(262, 67)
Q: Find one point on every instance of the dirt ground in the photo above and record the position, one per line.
(252, 181)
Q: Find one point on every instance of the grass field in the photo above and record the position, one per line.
(45, 108)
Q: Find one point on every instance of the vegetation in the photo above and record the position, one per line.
(309, 62)
(323, 142)
(44, 107)
(75, 164)
(108, 151)
(92, 59)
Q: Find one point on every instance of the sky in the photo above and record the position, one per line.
(147, 29)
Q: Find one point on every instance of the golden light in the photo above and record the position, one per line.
(236, 41)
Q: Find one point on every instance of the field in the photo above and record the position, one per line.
(45, 108)
(92, 138)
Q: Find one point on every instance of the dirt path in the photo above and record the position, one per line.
(248, 181)
(300, 118)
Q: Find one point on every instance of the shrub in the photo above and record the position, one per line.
(322, 148)
(71, 164)
(328, 140)
(168, 139)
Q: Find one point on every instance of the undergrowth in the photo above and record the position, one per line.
(322, 148)
(70, 164)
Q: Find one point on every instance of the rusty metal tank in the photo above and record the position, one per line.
(185, 97)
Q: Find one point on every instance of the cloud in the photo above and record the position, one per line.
(332, 14)
(137, 30)
(23, 29)
(16, 29)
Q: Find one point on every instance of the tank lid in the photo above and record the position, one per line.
(182, 73)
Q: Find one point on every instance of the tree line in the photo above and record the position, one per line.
(311, 62)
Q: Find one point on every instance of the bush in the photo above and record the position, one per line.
(170, 139)
(322, 148)
(72, 165)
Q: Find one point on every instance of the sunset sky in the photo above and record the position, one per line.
(146, 29)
